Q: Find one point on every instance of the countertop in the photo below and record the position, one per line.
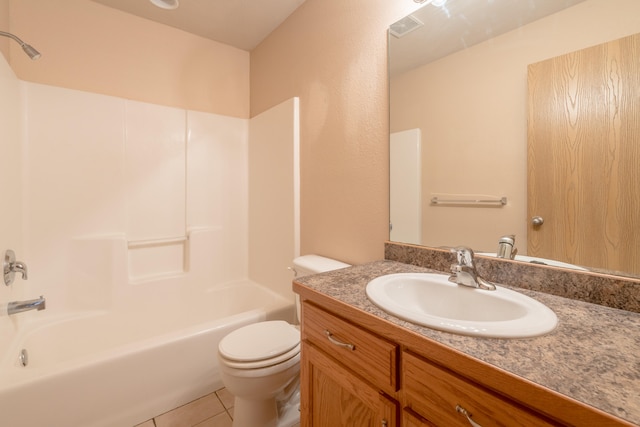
(593, 356)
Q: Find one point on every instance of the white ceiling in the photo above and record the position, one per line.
(459, 24)
(240, 23)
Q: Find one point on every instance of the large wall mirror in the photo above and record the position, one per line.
(478, 90)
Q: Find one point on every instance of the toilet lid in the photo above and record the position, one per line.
(259, 341)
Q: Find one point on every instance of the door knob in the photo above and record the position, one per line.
(537, 221)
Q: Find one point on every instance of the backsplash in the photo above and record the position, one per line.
(596, 288)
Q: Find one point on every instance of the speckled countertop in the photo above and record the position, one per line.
(593, 356)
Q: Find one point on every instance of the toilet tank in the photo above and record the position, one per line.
(312, 264)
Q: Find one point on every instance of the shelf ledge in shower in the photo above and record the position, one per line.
(133, 244)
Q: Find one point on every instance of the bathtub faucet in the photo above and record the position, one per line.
(15, 307)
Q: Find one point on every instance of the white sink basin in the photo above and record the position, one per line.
(431, 300)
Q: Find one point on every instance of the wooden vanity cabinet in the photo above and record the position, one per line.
(353, 377)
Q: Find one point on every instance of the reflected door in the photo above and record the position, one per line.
(583, 128)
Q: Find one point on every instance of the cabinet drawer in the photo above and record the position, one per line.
(368, 355)
(436, 394)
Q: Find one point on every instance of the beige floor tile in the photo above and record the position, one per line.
(225, 397)
(148, 423)
(220, 420)
(192, 413)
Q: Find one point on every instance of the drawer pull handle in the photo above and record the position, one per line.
(338, 342)
(384, 423)
(464, 412)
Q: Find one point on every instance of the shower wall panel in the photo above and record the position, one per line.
(102, 168)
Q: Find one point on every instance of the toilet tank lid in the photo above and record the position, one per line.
(317, 263)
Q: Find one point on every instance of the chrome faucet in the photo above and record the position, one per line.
(507, 247)
(465, 273)
(20, 306)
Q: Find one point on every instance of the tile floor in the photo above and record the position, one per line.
(212, 410)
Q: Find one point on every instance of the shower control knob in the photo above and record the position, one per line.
(11, 267)
(537, 221)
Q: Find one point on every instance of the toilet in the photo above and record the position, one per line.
(260, 363)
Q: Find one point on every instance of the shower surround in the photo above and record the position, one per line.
(134, 222)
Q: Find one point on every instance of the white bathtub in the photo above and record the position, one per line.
(111, 368)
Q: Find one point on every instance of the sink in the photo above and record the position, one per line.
(429, 299)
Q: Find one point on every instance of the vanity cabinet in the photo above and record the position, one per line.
(351, 376)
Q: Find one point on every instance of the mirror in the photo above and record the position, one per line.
(459, 110)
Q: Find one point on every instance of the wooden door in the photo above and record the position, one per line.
(584, 156)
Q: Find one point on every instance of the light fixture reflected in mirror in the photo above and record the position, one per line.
(165, 4)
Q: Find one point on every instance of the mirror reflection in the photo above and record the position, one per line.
(484, 144)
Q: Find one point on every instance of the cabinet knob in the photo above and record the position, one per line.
(464, 412)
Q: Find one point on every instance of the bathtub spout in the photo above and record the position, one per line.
(20, 306)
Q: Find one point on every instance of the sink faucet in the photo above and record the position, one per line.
(506, 247)
(465, 273)
(20, 306)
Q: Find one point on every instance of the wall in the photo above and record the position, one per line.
(91, 47)
(11, 223)
(471, 107)
(332, 54)
(274, 195)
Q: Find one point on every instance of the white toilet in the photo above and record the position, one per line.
(260, 363)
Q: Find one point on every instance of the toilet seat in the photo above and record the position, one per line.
(260, 344)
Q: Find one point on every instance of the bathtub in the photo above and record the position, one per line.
(122, 367)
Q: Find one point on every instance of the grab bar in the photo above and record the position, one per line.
(438, 201)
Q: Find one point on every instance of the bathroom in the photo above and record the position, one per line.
(342, 89)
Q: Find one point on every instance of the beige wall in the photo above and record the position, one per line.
(91, 47)
(333, 55)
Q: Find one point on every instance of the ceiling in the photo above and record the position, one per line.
(239, 23)
(454, 25)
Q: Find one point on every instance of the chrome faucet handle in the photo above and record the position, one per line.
(464, 256)
(11, 267)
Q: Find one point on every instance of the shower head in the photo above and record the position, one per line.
(28, 49)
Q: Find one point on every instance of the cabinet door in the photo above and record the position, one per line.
(331, 395)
